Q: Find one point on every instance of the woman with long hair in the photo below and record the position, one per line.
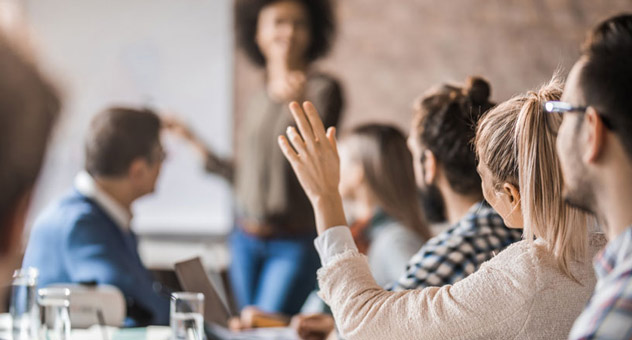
(378, 183)
(533, 289)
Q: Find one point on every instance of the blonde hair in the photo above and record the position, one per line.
(516, 141)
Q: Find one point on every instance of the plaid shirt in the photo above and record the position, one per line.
(459, 251)
(608, 314)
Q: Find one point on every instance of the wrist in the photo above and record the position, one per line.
(328, 211)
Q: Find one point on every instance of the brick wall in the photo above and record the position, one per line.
(388, 52)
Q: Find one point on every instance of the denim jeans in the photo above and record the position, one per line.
(276, 275)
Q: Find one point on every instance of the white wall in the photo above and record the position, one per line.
(171, 54)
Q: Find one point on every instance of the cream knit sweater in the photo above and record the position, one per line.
(519, 294)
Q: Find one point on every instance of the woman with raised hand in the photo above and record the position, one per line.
(273, 261)
(533, 289)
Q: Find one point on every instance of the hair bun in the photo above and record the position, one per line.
(477, 89)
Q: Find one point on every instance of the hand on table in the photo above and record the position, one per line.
(313, 155)
(252, 317)
(314, 326)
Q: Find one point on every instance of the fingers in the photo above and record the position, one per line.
(314, 119)
(303, 124)
(287, 150)
(331, 136)
(296, 140)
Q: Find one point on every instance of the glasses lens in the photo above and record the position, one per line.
(557, 107)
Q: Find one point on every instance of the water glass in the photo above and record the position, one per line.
(187, 316)
(55, 303)
(23, 309)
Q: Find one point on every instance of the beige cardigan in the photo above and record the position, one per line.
(519, 294)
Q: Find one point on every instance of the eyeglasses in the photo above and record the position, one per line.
(158, 154)
(563, 107)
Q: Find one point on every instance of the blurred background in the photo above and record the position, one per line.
(180, 57)
(388, 53)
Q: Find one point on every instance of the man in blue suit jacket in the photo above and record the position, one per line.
(85, 237)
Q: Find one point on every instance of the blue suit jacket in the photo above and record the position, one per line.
(75, 241)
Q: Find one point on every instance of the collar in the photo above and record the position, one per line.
(615, 252)
(87, 186)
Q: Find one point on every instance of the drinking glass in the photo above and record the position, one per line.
(55, 303)
(187, 316)
(23, 309)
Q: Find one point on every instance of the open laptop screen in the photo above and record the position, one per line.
(193, 278)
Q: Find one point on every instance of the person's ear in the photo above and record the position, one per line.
(14, 225)
(595, 135)
(430, 167)
(512, 193)
(137, 169)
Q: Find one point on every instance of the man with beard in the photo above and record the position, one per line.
(595, 148)
(445, 167)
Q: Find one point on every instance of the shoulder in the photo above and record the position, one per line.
(322, 79)
(517, 253)
(520, 260)
(65, 212)
(394, 237)
(529, 260)
(394, 233)
(72, 214)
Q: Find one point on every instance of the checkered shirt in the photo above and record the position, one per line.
(459, 251)
(608, 314)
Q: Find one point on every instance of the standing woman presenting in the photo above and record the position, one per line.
(274, 262)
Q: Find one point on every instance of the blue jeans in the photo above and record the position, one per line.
(276, 275)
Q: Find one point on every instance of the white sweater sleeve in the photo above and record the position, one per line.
(332, 242)
(491, 303)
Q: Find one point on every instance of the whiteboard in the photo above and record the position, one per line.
(170, 54)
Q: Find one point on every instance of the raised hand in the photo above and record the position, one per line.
(313, 155)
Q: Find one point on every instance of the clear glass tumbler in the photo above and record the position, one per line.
(55, 304)
(23, 309)
(187, 316)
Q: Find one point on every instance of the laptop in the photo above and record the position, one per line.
(193, 278)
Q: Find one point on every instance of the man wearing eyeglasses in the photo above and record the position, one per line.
(85, 237)
(595, 148)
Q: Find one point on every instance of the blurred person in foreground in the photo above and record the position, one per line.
(29, 106)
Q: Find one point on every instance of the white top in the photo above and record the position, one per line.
(87, 186)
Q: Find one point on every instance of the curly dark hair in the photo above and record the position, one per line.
(445, 121)
(322, 23)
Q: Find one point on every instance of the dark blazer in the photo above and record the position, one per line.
(75, 241)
